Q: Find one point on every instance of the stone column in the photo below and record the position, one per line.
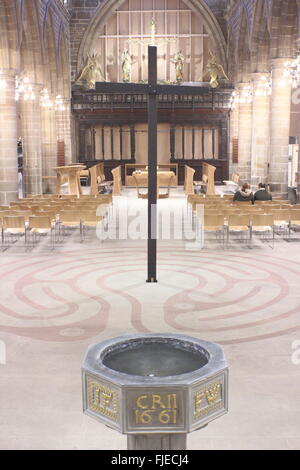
(260, 150)
(64, 130)
(233, 134)
(49, 149)
(8, 138)
(280, 130)
(244, 134)
(32, 137)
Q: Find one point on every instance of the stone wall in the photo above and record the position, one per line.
(82, 12)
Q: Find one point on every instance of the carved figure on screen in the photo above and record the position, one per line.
(91, 72)
(178, 60)
(126, 66)
(215, 70)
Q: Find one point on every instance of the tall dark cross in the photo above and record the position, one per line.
(152, 90)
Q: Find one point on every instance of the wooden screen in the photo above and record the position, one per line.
(196, 143)
(132, 21)
(61, 159)
(235, 150)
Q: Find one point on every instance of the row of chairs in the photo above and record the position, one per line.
(35, 227)
(263, 225)
(36, 216)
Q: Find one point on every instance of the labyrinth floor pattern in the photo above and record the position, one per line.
(52, 306)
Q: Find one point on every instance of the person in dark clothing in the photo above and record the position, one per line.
(262, 194)
(244, 194)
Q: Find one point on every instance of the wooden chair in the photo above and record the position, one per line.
(90, 219)
(243, 203)
(281, 221)
(263, 225)
(20, 213)
(294, 220)
(13, 227)
(70, 220)
(271, 207)
(39, 226)
(215, 223)
(141, 194)
(166, 194)
(51, 214)
(239, 224)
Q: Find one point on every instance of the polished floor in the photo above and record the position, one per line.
(54, 303)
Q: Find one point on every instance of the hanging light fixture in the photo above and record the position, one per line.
(234, 99)
(24, 89)
(59, 103)
(245, 95)
(45, 99)
(264, 86)
(291, 72)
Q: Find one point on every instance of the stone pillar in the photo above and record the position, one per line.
(279, 130)
(32, 138)
(260, 150)
(64, 130)
(49, 149)
(245, 135)
(233, 134)
(8, 138)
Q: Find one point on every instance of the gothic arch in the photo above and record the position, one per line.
(50, 66)
(108, 7)
(9, 27)
(64, 73)
(260, 40)
(243, 47)
(30, 47)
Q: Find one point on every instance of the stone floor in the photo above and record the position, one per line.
(54, 303)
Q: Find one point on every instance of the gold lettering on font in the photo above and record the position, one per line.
(102, 400)
(154, 407)
(207, 400)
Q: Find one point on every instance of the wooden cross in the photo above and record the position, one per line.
(152, 90)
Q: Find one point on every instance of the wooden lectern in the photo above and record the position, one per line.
(209, 172)
(189, 180)
(117, 184)
(97, 177)
(71, 175)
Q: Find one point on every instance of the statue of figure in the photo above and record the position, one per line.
(215, 71)
(91, 72)
(126, 66)
(178, 60)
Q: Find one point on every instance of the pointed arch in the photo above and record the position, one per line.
(64, 69)
(31, 48)
(108, 7)
(9, 57)
(243, 49)
(50, 63)
(260, 39)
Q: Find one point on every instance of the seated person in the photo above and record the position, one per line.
(262, 194)
(244, 194)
